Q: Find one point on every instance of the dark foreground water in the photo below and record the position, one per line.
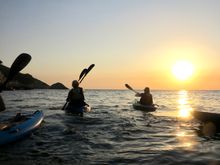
(113, 132)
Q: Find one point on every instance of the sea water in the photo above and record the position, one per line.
(113, 132)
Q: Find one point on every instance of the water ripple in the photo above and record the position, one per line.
(113, 132)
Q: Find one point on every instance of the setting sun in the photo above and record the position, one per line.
(182, 70)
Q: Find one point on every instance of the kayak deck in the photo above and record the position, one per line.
(78, 111)
(19, 126)
(147, 108)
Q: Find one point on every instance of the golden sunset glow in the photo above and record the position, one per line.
(184, 107)
(144, 46)
(184, 112)
(186, 140)
(182, 70)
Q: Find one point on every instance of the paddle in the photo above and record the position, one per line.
(129, 87)
(81, 77)
(86, 71)
(20, 62)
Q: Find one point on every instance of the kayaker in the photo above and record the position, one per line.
(75, 96)
(146, 97)
(2, 105)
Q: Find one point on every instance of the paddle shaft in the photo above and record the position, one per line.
(130, 88)
(64, 105)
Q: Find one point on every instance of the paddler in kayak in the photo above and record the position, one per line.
(146, 97)
(2, 104)
(75, 97)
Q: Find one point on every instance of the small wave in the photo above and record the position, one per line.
(28, 106)
(55, 108)
(17, 100)
(112, 133)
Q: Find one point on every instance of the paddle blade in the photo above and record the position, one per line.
(87, 71)
(90, 68)
(84, 72)
(20, 62)
(128, 86)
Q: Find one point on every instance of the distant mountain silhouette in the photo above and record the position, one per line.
(58, 86)
(23, 81)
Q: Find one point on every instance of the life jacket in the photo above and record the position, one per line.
(76, 96)
(146, 99)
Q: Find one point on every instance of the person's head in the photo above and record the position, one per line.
(75, 84)
(146, 90)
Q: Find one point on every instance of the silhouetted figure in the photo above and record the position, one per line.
(75, 96)
(146, 97)
(2, 105)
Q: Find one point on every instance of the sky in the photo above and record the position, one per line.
(130, 41)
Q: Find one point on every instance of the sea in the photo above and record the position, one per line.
(113, 132)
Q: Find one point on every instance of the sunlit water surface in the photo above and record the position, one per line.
(113, 132)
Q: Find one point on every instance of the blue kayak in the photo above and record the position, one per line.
(19, 127)
(147, 108)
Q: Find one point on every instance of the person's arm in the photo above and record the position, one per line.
(68, 97)
(151, 99)
(138, 94)
(81, 89)
(2, 105)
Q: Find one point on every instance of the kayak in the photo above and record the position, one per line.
(147, 108)
(19, 127)
(207, 116)
(77, 110)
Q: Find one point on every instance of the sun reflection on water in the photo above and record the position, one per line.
(186, 139)
(184, 107)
